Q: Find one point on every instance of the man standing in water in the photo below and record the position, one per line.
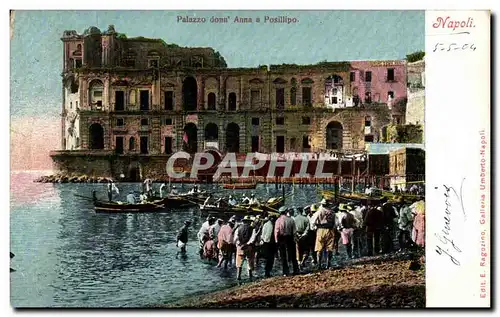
(182, 237)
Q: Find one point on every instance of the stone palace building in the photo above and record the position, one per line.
(129, 103)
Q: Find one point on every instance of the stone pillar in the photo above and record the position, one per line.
(200, 93)
(178, 95)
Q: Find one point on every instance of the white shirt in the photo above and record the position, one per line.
(204, 229)
(253, 201)
(358, 216)
(312, 220)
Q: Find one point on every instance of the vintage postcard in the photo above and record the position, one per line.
(244, 159)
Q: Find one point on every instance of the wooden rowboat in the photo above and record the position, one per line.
(114, 207)
(240, 186)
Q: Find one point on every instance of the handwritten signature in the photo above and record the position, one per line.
(452, 199)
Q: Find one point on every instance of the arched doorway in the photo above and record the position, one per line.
(233, 138)
(334, 135)
(211, 101)
(96, 137)
(189, 94)
(190, 138)
(231, 102)
(211, 132)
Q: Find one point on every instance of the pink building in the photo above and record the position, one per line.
(378, 81)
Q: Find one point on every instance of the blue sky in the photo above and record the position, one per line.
(36, 49)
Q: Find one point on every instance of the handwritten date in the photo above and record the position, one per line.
(448, 47)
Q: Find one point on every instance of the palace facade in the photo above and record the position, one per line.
(130, 102)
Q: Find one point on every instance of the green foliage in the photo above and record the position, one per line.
(122, 36)
(409, 133)
(417, 56)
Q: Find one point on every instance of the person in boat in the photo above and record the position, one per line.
(268, 244)
(194, 190)
(174, 191)
(284, 235)
(143, 198)
(110, 192)
(225, 243)
(325, 223)
(302, 226)
(244, 247)
(232, 201)
(131, 198)
(204, 231)
(253, 201)
(182, 237)
(245, 200)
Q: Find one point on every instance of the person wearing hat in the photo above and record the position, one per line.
(244, 247)
(325, 222)
(374, 224)
(253, 201)
(214, 229)
(357, 235)
(131, 198)
(313, 215)
(302, 227)
(347, 225)
(204, 232)
(284, 235)
(268, 244)
(405, 225)
(225, 243)
(390, 220)
(174, 192)
(182, 237)
(232, 201)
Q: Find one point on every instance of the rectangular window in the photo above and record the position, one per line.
(144, 145)
(153, 63)
(255, 144)
(255, 99)
(168, 121)
(305, 142)
(390, 74)
(78, 63)
(390, 94)
(169, 100)
(119, 145)
(168, 145)
(306, 96)
(97, 93)
(368, 123)
(119, 100)
(144, 96)
(99, 104)
(306, 120)
(144, 122)
(280, 120)
(334, 100)
(368, 77)
(120, 122)
(352, 76)
(280, 98)
(255, 121)
(368, 138)
(280, 144)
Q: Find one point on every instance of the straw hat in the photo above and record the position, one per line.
(282, 210)
(247, 218)
(323, 202)
(314, 207)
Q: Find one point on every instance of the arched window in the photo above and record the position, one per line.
(211, 101)
(131, 144)
(293, 96)
(231, 104)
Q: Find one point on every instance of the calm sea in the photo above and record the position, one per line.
(69, 256)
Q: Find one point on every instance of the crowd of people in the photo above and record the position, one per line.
(309, 236)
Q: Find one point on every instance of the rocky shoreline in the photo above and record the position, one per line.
(370, 283)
